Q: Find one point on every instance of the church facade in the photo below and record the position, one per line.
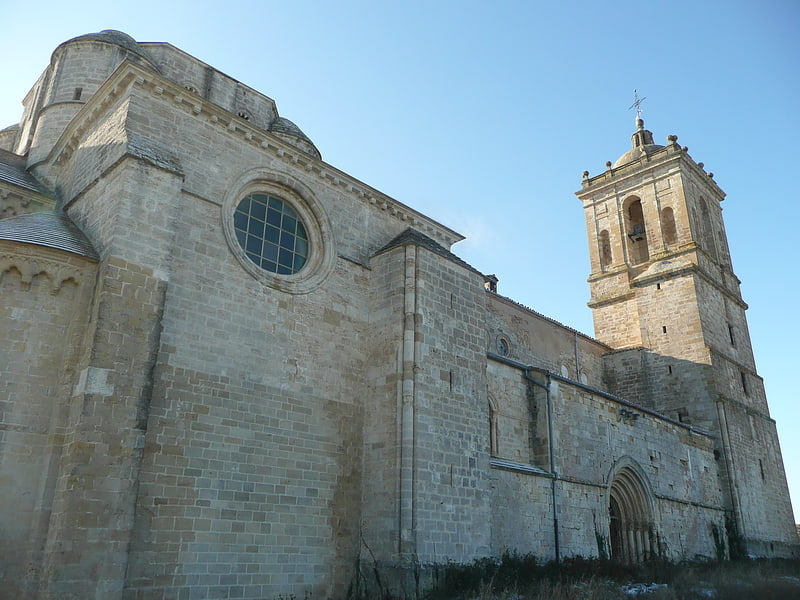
(231, 370)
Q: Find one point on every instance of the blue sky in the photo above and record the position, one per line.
(484, 115)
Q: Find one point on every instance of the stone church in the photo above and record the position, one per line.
(231, 370)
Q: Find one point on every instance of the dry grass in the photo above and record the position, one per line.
(521, 578)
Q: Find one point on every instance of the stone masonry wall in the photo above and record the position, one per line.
(591, 435)
(380, 518)
(539, 341)
(254, 442)
(759, 482)
(45, 296)
(452, 437)
(88, 542)
(205, 81)
(293, 372)
(104, 437)
(519, 415)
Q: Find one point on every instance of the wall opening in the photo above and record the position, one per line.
(631, 527)
(636, 231)
(493, 428)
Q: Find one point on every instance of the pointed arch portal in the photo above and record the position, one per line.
(630, 510)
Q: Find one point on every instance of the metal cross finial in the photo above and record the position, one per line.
(637, 104)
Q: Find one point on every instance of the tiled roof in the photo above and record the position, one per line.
(412, 236)
(49, 228)
(12, 170)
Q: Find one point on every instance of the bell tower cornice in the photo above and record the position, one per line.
(655, 164)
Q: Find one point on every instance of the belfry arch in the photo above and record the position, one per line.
(632, 530)
(636, 231)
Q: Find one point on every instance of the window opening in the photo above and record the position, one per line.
(502, 346)
(493, 430)
(637, 234)
(271, 234)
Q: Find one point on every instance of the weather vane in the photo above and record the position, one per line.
(637, 104)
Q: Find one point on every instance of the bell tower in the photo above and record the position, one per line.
(665, 297)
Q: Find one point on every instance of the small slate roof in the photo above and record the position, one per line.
(412, 236)
(12, 170)
(49, 228)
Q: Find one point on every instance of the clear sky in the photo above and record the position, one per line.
(483, 115)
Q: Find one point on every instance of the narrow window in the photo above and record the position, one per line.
(664, 329)
(669, 369)
(744, 382)
(761, 468)
(76, 95)
(493, 431)
(730, 335)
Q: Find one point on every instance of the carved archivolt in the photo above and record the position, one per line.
(31, 267)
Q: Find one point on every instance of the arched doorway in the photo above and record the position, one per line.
(630, 511)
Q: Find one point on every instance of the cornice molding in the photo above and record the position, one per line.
(642, 280)
(620, 177)
(129, 75)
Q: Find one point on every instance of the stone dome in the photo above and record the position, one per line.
(284, 125)
(291, 133)
(642, 145)
(637, 153)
